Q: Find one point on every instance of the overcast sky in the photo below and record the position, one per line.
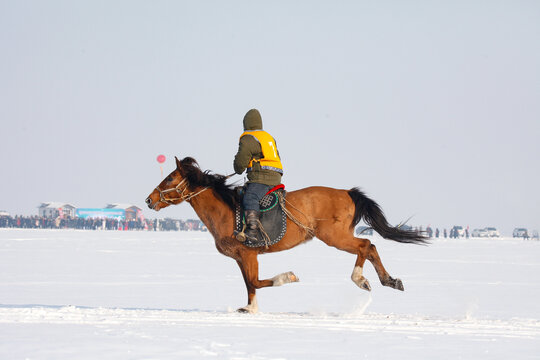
(431, 107)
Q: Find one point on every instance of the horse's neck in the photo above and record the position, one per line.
(214, 213)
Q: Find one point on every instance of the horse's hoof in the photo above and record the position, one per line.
(293, 277)
(394, 284)
(365, 285)
(285, 278)
(359, 280)
(247, 310)
(399, 285)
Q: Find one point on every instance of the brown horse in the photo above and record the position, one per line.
(326, 213)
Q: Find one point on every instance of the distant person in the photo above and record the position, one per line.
(258, 154)
(445, 234)
(437, 233)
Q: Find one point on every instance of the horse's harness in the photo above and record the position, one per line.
(182, 192)
(183, 195)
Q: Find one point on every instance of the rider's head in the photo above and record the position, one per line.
(253, 120)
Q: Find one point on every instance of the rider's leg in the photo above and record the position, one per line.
(253, 195)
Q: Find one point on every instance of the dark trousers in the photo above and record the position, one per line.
(253, 194)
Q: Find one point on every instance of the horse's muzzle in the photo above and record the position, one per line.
(148, 202)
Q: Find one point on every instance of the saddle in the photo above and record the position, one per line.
(273, 220)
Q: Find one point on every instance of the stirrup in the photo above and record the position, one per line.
(240, 235)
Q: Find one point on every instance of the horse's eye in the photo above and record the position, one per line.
(169, 178)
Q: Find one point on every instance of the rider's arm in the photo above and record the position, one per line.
(248, 148)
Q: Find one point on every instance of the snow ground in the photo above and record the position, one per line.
(155, 295)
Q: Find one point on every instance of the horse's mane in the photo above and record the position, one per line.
(196, 177)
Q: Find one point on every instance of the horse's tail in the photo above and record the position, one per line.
(370, 211)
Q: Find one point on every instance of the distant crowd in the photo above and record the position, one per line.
(452, 234)
(39, 222)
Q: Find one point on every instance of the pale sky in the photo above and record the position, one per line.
(431, 107)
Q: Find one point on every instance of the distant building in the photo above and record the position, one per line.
(131, 211)
(56, 209)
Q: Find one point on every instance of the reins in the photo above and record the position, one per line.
(309, 230)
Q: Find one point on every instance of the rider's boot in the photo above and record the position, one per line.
(252, 223)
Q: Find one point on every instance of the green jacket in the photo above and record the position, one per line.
(249, 148)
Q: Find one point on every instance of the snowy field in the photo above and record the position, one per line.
(156, 295)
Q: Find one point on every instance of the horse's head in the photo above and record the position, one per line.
(173, 189)
(187, 182)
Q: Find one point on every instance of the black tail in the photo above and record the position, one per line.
(369, 210)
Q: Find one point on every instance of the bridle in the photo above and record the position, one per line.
(182, 192)
(184, 195)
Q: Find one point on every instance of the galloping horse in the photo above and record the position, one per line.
(326, 213)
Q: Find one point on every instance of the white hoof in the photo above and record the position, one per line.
(247, 310)
(252, 308)
(359, 279)
(364, 284)
(284, 278)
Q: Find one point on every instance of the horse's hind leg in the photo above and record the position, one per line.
(384, 277)
(364, 249)
(357, 276)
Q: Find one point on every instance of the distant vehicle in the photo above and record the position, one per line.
(520, 232)
(364, 230)
(480, 233)
(405, 227)
(4, 213)
(493, 232)
(459, 230)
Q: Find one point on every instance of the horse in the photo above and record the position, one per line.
(325, 213)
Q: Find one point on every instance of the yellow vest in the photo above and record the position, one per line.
(270, 160)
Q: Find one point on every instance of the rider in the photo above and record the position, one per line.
(258, 153)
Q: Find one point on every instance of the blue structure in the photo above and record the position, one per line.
(118, 214)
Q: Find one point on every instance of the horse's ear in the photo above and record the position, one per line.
(179, 166)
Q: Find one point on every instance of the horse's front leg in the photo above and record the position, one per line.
(249, 265)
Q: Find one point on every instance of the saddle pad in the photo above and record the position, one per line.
(273, 220)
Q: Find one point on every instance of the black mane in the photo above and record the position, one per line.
(196, 177)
